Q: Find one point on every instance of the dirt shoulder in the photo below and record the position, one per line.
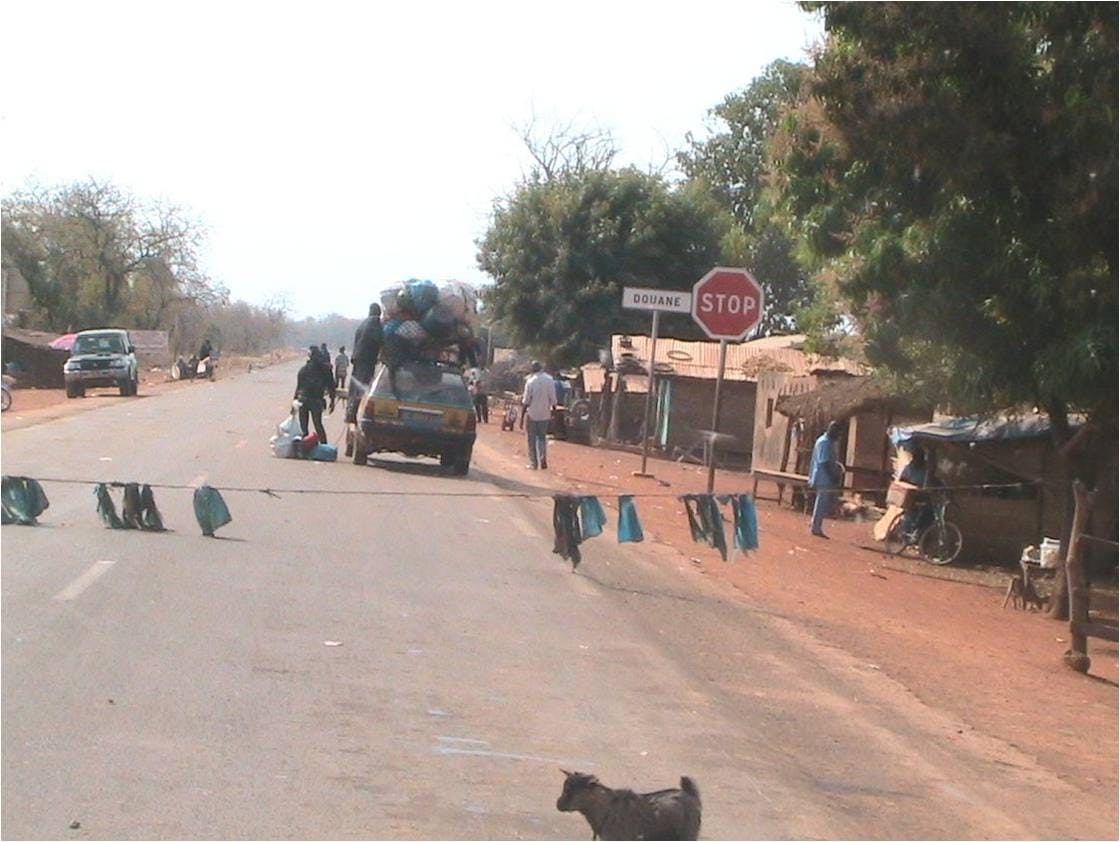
(941, 634)
(35, 406)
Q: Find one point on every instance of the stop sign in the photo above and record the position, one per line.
(727, 303)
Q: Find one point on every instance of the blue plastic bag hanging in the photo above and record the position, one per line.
(746, 526)
(629, 527)
(23, 500)
(210, 509)
(592, 517)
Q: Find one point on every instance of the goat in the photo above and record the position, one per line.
(624, 814)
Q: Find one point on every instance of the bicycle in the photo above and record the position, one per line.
(938, 542)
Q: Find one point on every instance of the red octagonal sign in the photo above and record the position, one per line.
(727, 303)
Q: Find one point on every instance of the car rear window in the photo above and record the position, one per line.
(423, 383)
(99, 343)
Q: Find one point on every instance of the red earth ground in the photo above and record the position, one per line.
(947, 640)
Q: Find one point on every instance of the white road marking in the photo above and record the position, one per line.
(525, 527)
(464, 740)
(75, 588)
(504, 755)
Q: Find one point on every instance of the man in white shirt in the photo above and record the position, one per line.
(538, 399)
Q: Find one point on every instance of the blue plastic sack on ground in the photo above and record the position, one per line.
(746, 526)
(592, 517)
(629, 527)
(324, 453)
(23, 500)
(210, 509)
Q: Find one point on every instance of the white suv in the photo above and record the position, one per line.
(102, 357)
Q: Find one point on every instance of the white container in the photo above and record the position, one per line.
(1049, 552)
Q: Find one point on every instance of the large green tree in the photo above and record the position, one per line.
(953, 175)
(733, 163)
(562, 245)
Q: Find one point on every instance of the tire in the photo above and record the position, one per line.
(894, 543)
(461, 462)
(5, 401)
(941, 543)
(361, 451)
(74, 391)
(125, 388)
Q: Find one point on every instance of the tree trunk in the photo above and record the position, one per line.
(1078, 654)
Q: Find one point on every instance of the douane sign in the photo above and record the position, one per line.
(727, 303)
(663, 300)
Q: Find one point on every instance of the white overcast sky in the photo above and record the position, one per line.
(333, 148)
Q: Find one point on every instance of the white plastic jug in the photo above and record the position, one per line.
(1049, 552)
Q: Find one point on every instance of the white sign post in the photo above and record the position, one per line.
(659, 301)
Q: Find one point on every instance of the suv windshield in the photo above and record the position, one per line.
(99, 343)
(423, 383)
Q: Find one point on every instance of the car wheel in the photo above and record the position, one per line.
(125, 388)
(361, 450)
(5, 401)
(74, 391)
(461, 463)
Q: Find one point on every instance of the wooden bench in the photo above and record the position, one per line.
(780, 479)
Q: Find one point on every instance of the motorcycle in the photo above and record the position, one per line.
(6, 395)
(194, 368)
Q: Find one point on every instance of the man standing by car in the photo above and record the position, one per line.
(314, 379)
(538, 399)
(825, 475)
(367, 348)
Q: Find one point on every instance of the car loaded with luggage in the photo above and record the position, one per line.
(418, 403)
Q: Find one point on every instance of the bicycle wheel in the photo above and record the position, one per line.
(940, 543)
(895, 543)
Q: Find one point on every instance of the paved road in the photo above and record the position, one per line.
(173, 686)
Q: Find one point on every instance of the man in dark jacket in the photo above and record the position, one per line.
(313, 380)
(367, 348)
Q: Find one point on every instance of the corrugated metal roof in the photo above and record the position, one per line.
(744, 360)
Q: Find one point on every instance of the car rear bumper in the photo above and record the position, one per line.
(410, 441)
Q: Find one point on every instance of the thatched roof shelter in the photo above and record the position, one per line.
(845, 397)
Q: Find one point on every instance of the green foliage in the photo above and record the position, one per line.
(954, 174)
(560, 250)
(733, 164)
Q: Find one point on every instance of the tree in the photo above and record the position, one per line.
(954, 176)
(94, 255)
(733, 163)
(561, 248)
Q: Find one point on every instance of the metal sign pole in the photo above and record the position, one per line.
(715, 416)
(649, 395)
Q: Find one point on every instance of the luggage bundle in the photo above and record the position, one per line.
(420, 319)
(290, 443)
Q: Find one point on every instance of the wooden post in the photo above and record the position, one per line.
(1077, 657)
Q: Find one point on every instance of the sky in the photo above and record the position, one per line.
(332, 149)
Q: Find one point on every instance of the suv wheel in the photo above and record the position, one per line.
(74, 391)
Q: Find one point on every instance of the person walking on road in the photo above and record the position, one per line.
(825, 476)
(476, 386)
(312, 383)
(341, 364)
(538, 400)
